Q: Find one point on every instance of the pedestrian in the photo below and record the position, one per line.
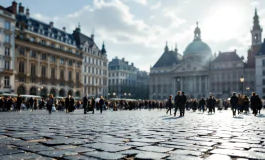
(177, 100)
(259, 104)
(202, 104)
(85, 102)
(234, 103)
(93, 103)
(50, 103)
(67, 104)
(19, 102)
(169, 104)
(101, 104)
(254, 103)
(182, 103)
(31, 101)
(246, 104)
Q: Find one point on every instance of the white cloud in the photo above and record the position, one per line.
(156, 6)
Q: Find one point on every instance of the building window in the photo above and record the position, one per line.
(53, 59)
(7, 25)
(33, 69)
(53, 72)
(7, 38)
(85, 79)
(61, 74)
(61, 61)
(70, 63)
(32, 39)
(263, 82)
(21, 51)
(263, 72)
(7, 64)
(7, 51)
(61, 48)
(263, 90)
(43, 42)
(53, 45)
(33, 54)
(43, 57)
(43, 71)
(77, 76)
(263, 62)
(21, 67)
(7, 81)
(69, 75)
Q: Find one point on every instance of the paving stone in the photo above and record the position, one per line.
(107, 147)
(155, 149)
(104, 155)
(186, 152)
(79, 149)
(151, 155)
(57, 153)
(146, 140)
(36, 148)
(238, 153)
(24, 156)
(10, 151)
(79, 157)
(138, 144)
(130, 152)
(181, 157)
(218, 156)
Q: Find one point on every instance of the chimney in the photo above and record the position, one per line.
(132, 64)
(235, 50)
(14, 7)
(64, 29)
(51, 24)
(20, 9)
(27, 13)
(123, 59)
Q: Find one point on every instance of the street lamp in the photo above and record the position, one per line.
(129, 94)
(242, 81)
(114, 94)
(108, 95)
(179, 85)
(124, 95)
(154, 95)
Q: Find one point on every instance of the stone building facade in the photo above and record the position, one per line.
(200, 73)
(7, 46)
(46, 58)
(95, 65)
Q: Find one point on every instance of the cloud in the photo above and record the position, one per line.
(156, 6)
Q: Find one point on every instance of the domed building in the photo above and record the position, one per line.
(198, 72)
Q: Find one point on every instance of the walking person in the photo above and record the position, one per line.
(254, 103)
(93, 103)
(31, 101)
(169, 104)
(210, 104)
(259, 104)
(19, 102)
(177, 100)
(234, 103)
(67, 104)
(85, 103)
(50, 103)
(246, 104)
(101, 104)
(182, 103)
(202, 104)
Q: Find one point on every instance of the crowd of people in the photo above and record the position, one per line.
(238, 103)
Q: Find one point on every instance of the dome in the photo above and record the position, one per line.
(197, 47)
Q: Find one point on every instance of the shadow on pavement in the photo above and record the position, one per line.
(238, 117)
(169, 118)
(261, 116)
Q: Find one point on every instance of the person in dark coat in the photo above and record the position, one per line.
(259, 104)
(214, 104)
(93, 103)
(177, 101)
(169, 104)
(67, 104)
(50, 103)
(19, 102)
(210, 104)
(101, 104)
(72, 104)
(202, 104)
(234, 103)
(182, 103)
(85, 102)
(31, 101)
(254, 103)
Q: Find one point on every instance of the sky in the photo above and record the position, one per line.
(137, 30)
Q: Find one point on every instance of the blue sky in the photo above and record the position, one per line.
(138, 29)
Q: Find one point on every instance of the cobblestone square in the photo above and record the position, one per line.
(131, 135)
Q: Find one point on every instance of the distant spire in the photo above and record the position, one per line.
(166, 47)
(176, 48)
(92, 34)
(103, 50)
(256, 25)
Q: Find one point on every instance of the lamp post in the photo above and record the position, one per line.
(129, 94)
(179, 88)
(108, 95)
(242, 81)
(154, 96)
(114, 94)
(125, 95)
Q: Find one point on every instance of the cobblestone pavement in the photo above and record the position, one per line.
(131, 135)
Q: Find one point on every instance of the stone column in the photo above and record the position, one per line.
(49, 69)
(38, 64)
(181, 83)
(205, 81)
(194, 84)
(174, 84)
(27, 64)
